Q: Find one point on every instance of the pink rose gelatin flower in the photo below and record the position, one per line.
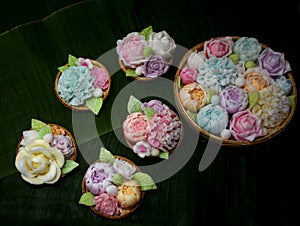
(233, 99)
(157, 105)
(273, 62)
(246, 126)
(107, 204)
(136, 127)
(154, 66)
(130, 49)
(165, 130)
(188, 75)
(99, 175)
(220, 47)
(142, 149)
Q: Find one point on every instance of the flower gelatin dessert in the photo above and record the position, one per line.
(151, 128)
(146, 54)
(82, 84)
(45, 153)
(113, 186)
(235, 90)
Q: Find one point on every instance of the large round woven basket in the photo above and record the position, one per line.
(123, 212)
(82, 107)
(230, 142)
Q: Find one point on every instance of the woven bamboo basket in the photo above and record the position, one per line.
(58, 130)
(82, 107)
(123, 212)
(230, 142)
(131, 144)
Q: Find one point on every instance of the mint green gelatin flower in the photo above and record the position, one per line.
(75, 85)
(213, 118)
(247, 48)
(217, 73)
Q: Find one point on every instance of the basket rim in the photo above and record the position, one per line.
(231, 142)
(125, 212)
(81, 107)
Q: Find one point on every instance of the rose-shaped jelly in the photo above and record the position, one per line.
(188, 75)
(157, 105)
(101, 79)
(233, 99)
(39, 163)
(64, 144)
(273, 62)
(130, 49)
(135, 127)
(162, 44)
(246, 126)
(219, 47)
(154, 66)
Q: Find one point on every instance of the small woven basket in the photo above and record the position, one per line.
(82, 107)
(230, 142)
(123, 212)
(58, 130)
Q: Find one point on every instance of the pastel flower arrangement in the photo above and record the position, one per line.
(151, 128)
(235, 88)
(83, 84)
(45, 153)
(146, 53)
(113, 186)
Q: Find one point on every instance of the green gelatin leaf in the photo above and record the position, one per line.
(210, 93)
(118, 179)
(37, 124)
(149, 112)
(164, 155)
(252, 99)
(148, 51)
(45, 130)
(63, 68)
(131, 73)
(134, 105)
(192, 115)
(106, 156)
(145, 181)
(146, 32)
(69, 166)
(72, 60)
(292, 100)
(94, 104)
(179, 82)
(87, 199)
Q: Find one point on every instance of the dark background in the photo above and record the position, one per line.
(252, 186)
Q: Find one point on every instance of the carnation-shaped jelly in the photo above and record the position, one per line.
(212, 118)
(75, 85)
(233, 99)
(272, 106)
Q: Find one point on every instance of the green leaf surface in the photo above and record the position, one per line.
(37, 124)
(145, 181)
(44, 130)
(87, 199)
(63, 68)
(134, 105)
(69, 166)
(149, 112)
(72, 60)
(252, 99)
(146, 32)
(94, 104)
(291, 99)
(164, 155)
(131, 73)
(106, 156)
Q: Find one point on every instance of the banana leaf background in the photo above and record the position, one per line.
(250, 186)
